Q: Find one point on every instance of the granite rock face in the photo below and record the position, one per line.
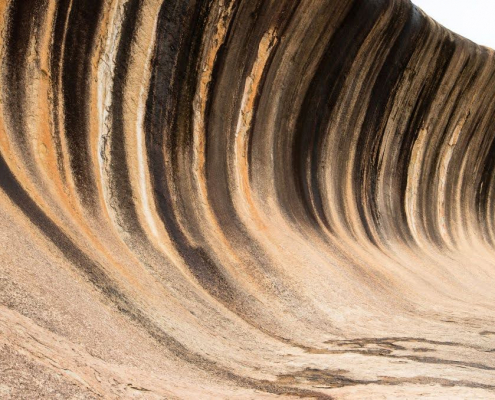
(244, 199)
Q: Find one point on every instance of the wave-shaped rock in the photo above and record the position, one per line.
(244, 199)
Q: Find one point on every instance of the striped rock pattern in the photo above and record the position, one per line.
(244, 199)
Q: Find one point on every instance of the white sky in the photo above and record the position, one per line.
(473, 19)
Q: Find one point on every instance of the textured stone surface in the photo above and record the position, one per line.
(244, 199)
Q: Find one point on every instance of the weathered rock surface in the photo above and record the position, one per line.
(244, 199)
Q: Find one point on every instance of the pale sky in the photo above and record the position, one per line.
(473, 19)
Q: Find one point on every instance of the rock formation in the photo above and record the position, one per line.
(244, 199)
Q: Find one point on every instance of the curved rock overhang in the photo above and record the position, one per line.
(244, 199)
